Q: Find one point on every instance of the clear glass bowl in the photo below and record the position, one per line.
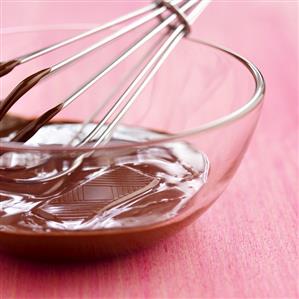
(203, 95)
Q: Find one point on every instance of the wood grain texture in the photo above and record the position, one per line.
(245, 246)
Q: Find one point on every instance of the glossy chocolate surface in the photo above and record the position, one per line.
(134, 193)
(7, 66)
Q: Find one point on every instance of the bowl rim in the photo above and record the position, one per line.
(255, 100)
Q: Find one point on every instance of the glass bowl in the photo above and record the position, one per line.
(204, 96)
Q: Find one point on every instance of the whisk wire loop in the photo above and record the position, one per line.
(179, 13)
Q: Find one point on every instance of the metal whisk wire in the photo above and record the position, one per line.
(148, 72)
(34, 79)
(103, 130)
(8, 66)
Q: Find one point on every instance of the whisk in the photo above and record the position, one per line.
(181, 14)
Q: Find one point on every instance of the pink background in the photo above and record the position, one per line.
(245, 245)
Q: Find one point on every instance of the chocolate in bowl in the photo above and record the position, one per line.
(137, 188)
(218, 98)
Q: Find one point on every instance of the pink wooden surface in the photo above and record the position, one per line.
(245, 245)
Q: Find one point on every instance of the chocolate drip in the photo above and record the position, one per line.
(20, 90)
(27, 132)
(8, 66)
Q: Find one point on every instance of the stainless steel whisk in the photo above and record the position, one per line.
(181, 15)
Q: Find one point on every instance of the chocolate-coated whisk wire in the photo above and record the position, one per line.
(32, 128)
(28, 83)
(184, 16)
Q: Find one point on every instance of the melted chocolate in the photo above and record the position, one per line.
(8, 66)
(33, 126)
(23, 87)
(124, 189)
(11, 124)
